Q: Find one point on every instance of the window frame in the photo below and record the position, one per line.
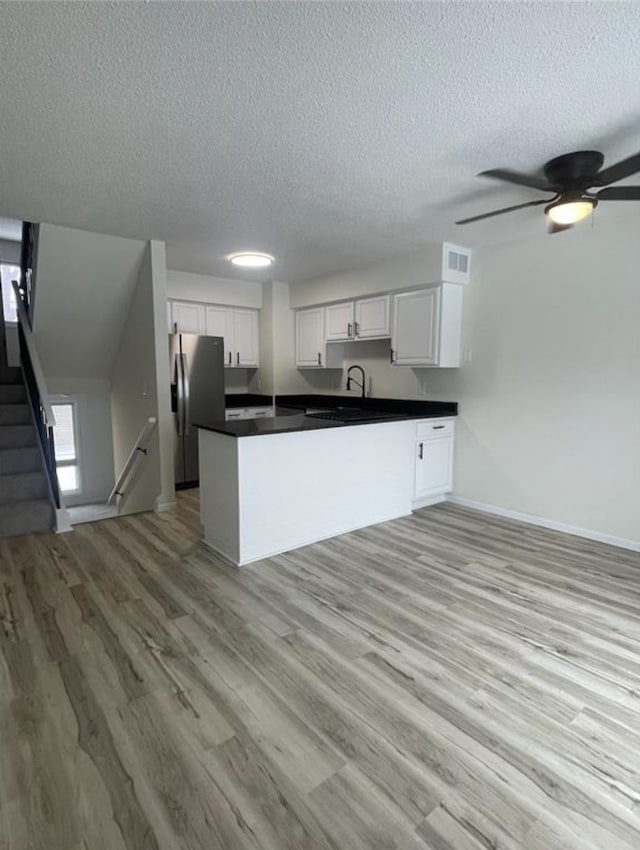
(11, 322)
(65, 401)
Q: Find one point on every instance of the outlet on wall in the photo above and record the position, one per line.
(467, 354)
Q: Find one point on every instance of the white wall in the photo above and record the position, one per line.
(95, 441)
(414, 269)
(550, 405)
(134, 391)
(10, 251)
(214, 290)
(84, 285)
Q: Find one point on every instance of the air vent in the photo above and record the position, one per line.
(456, 262)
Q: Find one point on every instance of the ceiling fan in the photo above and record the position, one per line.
(571, 179)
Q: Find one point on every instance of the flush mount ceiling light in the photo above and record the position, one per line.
(251, 260)
(570, 210)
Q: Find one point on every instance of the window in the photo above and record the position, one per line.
(9, 273)
(64, 436)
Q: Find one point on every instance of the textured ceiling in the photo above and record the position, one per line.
(328, 134)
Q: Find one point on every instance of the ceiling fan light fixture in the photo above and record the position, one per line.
(570, 210)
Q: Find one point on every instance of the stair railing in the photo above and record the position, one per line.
(38, 397)
(136, 456)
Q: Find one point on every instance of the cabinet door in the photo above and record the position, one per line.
(310, 342)
(372, 317)
(338, 320)
(434, 467)
(219, 322)
(245, 332)
(189, 318)
(416, 318)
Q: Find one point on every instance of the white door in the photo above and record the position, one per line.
(245, 332)
(416, 317)
(372, 317)
(187, 318)
(310, 337)
(434, 467)
(338, 320)
(219, 322)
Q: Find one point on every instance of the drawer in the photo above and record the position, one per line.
(259, 412)
(235, 413)
(434, 428)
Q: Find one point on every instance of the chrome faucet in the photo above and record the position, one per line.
(351, 380)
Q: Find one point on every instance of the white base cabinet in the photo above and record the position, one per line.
(433, 460)
(232, 413)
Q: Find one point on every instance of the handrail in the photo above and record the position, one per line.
(137, 453)
(38, 397)
(23, 321)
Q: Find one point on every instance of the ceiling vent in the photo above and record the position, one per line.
(456, 264)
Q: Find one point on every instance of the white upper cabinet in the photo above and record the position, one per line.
(310, 339)
(427, 326)
(415, 328)
(239, 329)
(187, 318)
(366, 318)
(246, 339)
(372, 317)
(339, 321)
(219, 322)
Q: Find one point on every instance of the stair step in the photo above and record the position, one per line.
(20, 460)
(10, 375)
(15, 414)
(22, 487)
(17, 436)
(13, 394)
(26, 517)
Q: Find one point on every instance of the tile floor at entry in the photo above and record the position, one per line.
(449, 681)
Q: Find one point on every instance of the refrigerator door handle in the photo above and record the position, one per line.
(179, 395)
(185, 394)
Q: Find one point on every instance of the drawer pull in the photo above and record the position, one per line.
(438, 427)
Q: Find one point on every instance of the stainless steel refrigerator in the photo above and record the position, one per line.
(197, 395)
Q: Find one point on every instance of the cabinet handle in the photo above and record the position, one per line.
(237, 358)
(438, 427)
(357, 329)
(229, 358)
(349, 330)
(175, 327)
(319, 359)
(421, 451)
(392, 353)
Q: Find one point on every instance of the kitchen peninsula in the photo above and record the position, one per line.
(271, 485)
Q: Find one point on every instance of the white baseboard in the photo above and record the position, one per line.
(425, 503)
(62, 521)
(532, 519)
(165, 506)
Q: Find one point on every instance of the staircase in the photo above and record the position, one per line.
(25, 506)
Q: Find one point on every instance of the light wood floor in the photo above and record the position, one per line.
(448, 681)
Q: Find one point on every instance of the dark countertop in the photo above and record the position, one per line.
(247, 400)
(398, 409)
(412, 408)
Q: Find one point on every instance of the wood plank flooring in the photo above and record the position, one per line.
(449, 681)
